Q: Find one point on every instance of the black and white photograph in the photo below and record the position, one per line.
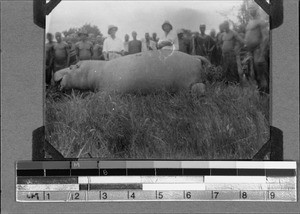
(157, 80)
(149, 106)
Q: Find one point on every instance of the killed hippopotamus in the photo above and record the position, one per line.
(143, 72)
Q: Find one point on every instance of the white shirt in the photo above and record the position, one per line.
(152, 44)
(126, 46)
(171, 37)
(111, 44)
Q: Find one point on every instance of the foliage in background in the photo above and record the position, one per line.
(242, 16)
(91, 29)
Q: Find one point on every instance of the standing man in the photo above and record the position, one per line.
(49, 58)
(219, 44)
(229, 40)
(203, 43)
(113, 47)
(213, 50)
(126, 44)
(97, 48)
(184, 43)
(238, 51)
(169, 41)
(72, 50)
(148, 44)
(257, 39)
(84, 48)
(61, 53)
(154, 38)
(135, 46)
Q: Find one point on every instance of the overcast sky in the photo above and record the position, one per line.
(139, 16)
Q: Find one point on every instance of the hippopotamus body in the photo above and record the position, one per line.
(142, 72)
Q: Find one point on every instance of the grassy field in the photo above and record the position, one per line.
(229, 122)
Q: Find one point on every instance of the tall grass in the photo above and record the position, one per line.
(229, 122)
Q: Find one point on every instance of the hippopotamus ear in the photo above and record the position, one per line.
(58, 75)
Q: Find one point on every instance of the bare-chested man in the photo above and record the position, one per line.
(70, 40)
(49, 58)
(84, 48)
(257, 39)
(239, 48)
(61, 53)
(229, 40)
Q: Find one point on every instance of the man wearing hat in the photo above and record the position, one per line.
(113, 47)
(84, 48)
(169, 41)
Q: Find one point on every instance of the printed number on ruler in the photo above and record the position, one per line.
(215, 194)
(244, 195)
(103, 195)
(188, 195)
(271, 195)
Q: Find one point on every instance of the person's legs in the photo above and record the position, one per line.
(225, 65)
(261, 72)
(239, 67)
(48, 75)
(232, 73)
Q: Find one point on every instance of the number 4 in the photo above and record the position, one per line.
(132, 196)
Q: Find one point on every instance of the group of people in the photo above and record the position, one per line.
(222, 48)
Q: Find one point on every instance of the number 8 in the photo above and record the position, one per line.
(244, 195)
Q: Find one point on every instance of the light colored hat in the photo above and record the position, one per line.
(110, 27)
(202, 25)
(167, 23)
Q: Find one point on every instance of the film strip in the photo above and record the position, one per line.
(100, 181)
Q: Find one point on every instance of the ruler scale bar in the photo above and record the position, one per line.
(156, 172)
(104, 181)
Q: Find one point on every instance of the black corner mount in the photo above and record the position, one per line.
(41, 9)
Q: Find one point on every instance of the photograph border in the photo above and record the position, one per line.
(22, 97)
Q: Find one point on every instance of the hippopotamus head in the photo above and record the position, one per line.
(60, 75)
(83, 76)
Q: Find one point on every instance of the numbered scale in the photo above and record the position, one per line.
(102, 181)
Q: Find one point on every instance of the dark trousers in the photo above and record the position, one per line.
(230, 67)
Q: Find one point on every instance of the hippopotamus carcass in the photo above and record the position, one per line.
(143, 72)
